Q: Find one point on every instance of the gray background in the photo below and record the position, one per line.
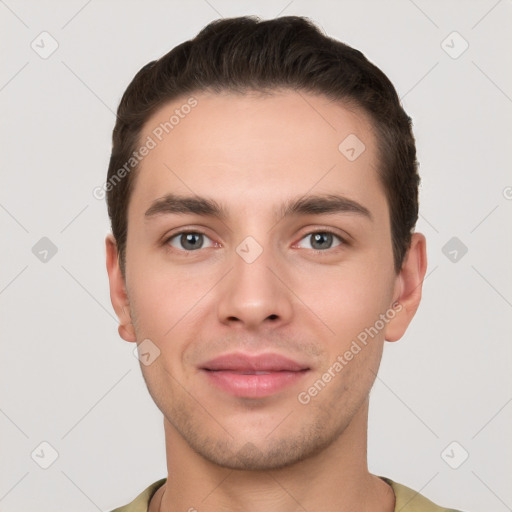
(67, 379)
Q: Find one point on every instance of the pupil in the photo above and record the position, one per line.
(321, 238)
(190, 240)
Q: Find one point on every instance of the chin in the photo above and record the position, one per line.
(262, 455)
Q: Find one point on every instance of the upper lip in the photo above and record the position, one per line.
(269, 362)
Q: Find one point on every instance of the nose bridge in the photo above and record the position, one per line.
(252, 293)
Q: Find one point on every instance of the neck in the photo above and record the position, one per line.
(336, 478)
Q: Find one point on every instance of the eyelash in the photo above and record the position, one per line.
(343, 241)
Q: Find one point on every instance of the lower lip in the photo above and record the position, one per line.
(253, 385)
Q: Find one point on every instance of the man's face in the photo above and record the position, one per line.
(256, 282)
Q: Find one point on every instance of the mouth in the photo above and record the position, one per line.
(259, 376)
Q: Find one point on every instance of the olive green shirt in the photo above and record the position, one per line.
(406, 500)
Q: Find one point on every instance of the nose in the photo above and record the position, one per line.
(254, 293)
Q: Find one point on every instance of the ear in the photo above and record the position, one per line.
(118, 295)
(408, 287)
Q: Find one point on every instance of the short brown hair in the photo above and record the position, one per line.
(247, 54)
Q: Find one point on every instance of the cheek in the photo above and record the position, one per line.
(153, 302)
(346, 298)
(165, 302)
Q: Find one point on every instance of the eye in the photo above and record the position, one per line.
(322, 240)
(188, 241)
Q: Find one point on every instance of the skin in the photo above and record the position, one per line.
(251, 153)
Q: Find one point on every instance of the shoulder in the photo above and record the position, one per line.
(409, 500)
(141, 502)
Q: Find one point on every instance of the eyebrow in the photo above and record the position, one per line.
(304, 205)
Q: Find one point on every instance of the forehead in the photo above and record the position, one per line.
(257, 149)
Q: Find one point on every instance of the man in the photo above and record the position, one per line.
(263, 193)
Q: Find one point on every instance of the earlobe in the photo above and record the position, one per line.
(126, 332)
(118, 295)
(409, 285)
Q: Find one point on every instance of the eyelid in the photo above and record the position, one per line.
(344, 240)
(168, 237)
(319, 228)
